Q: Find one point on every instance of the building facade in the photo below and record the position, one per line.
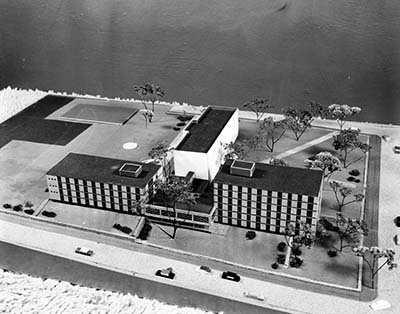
(200, 149)
(271, 198)
(95, 182)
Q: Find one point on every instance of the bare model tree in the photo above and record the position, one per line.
(346, 142)
(371, 256)
(342, 112)
(271, 132)
(175, 191)
(159, 153)
(324, 161)
(258, 106)
(347, 229)
(149, 92)
(342, 194)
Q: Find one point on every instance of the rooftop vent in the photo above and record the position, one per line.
(130, 170)
(243, 168)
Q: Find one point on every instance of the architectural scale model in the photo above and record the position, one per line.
(265, 197)
(83, 164)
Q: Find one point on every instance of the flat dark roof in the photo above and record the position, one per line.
(275, 178)
(204, 133)
(100, 169)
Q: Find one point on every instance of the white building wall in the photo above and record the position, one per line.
(216, 153)
(185, 161)
(52, 185)
(206, 165)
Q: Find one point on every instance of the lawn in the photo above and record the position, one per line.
(90, 217)
(261, 252)
(23, 165)
(247, 129)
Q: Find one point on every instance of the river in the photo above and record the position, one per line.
(210, 52)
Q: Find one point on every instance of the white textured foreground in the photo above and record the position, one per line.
(24, 294)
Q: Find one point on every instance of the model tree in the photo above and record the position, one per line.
(371, 257)
(159, 153)
(342, 195)
(296, 238)
(342, 112)
(278, 162)
(175, 192)
(324, 161)
(347, 229)
(346, 142)
(258, 106)
(270, 132)
(299, 120)
(147, 115)
(235, 150)
(149, 93)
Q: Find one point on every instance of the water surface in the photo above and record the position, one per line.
(209, 52)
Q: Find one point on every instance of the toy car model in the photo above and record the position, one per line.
(166, 273)
(253, 296)
(204, 269)
(84, 251)
(229, 275)
(396, 149)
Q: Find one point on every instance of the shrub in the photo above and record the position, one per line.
(181, 124)
(274, 266)
(250, 235)
(181, 118)
(28, 204)
(397, 221)
(357, 180)
(7, 206)
(29, 211)
(295, 262)
(125, 229)
(354, 172)
(280, 259)
(144, 233)
(176, 128)
(332, 253)
(296, 251)
(46, 190)
(281, 246)
(117, 226)
(18, 208)
(351, 179)
(49, 214)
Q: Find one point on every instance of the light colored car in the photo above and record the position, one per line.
(84, 251)
(396, 149)
(166, 273)
(252, 295)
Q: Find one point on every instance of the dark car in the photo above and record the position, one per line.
(229, 275)
(166, 273)
(204, 269)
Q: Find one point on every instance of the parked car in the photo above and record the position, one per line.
(253, 296)
(396, 149)
(84, 251)
(229, 275)
(204, 269)
(166, 273)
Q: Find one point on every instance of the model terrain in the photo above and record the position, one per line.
(182, 187)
